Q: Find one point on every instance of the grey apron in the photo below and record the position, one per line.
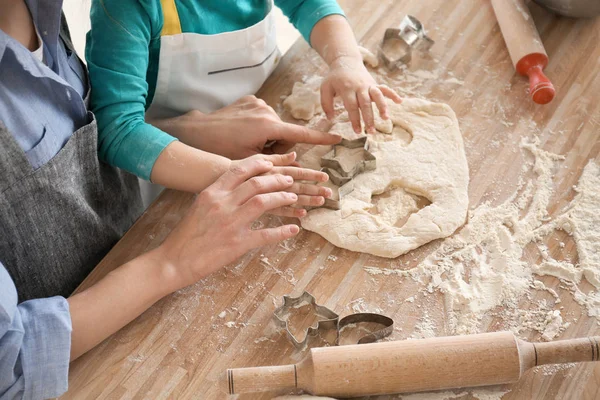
(59, 221)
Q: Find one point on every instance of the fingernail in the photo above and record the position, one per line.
(294, 229)
(293, 196)
(289, 179)
(301, 212)
(321, 201)
(268, 164)
(328, 193)
(293, 153)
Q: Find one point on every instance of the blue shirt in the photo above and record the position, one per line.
(41, 103)
(42, 106)
(35, 344)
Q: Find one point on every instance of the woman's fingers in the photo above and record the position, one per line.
(310, 201)
(264, 203)
(264, 237)
(279, 160)
(241, 172)
(366, 109)
(292, 212)
(302, 174)
(310, 190)
(260, 185)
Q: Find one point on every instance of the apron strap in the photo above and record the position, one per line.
(171, 24)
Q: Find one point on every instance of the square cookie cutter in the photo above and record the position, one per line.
(410, 35)
(328, 321)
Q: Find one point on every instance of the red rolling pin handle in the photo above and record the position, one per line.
(532, 65)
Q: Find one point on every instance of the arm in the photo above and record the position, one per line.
(216, 231)
(39, 337)
(35, 338)
(305, 14)
(117, 53)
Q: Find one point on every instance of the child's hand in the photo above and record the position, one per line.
(349, 79)
(309, 194)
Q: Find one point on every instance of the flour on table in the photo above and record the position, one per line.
(417, 193)
(368, 58)
(305, 100)
(481, 270)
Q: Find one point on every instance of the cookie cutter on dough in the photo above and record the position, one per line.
(329, 321)
(409, 36)
(335, 203)
(335, 169)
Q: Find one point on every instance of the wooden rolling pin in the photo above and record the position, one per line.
(525, 46)
(412, 365)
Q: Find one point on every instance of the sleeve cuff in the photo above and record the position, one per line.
(46, 349)
(308, 21)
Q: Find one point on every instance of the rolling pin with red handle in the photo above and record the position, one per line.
(525, 46)
(412, 365)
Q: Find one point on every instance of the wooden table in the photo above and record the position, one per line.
(179, 347)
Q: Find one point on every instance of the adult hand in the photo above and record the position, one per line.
(217, 228)
(309, 194)
(349, 79)
(241, 130)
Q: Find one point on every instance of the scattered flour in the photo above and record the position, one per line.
(482, 269)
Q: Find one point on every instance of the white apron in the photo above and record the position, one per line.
(209, 72)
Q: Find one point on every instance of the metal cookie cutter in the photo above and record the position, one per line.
(397, 44)
(335, 202)
(340, 171)
(329, 321)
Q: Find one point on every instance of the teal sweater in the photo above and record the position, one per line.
(122, 53)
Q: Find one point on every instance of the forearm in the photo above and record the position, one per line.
(185, 168)
(117, 299)
(333, 39)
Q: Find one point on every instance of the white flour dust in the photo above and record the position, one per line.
(481, 270)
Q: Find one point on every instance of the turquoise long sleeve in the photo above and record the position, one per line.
(117, 54)
(122, 53)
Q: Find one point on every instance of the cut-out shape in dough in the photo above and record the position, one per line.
(432, 166)
(368, 58)
(305, 100)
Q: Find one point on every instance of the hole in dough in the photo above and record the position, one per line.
(396, 204)
(399, 134)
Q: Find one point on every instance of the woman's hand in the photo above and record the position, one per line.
(349, 79)
(309, 194)
(241, 130)
(217, 228)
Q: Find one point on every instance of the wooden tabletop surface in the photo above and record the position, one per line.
(181, 346)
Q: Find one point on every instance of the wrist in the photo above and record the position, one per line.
(164, 272)
(346, 61)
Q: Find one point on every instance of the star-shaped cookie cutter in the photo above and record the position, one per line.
(410, 35)
(330, 321)
(340, 174)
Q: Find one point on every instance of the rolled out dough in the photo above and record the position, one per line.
(417, 193)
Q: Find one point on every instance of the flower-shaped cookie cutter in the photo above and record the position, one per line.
(329, 321)
(398, 43)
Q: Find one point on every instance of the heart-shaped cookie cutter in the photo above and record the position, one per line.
(328, 321)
